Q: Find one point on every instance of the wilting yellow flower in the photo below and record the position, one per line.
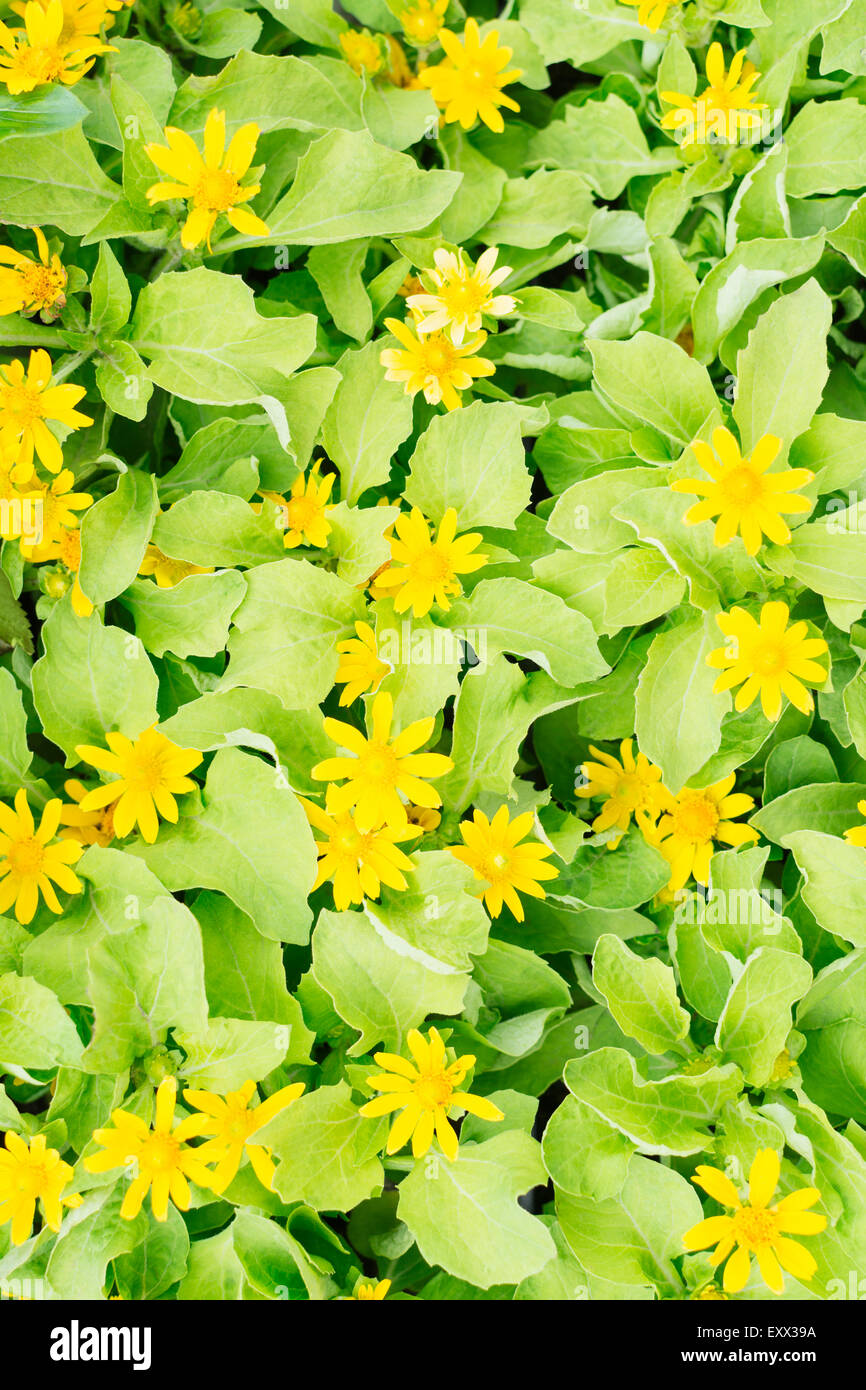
(303, 514)
(29, 863)
(27, 400)
(694, 820)
(461, 294)
(54, 505)
(757, 1228)
(492, 850)
(398, 70)
(160, 1157)
(362, 51)
(357, 862)
(652, 13)
(374, 1292)
(38, 55)
(424, 570)
(434, 364)
(210, 185)
(423, 20)
(380, 768)
(726, 107)
(741, 493)
(166, 571)
(30, 286)
(632, 787)
(422, 818)
(86, 827)
(150, 772)
(424, 1091)
(230, 1122)
(360, 668)
(468, 82)
(768, 658)
(31, 1173)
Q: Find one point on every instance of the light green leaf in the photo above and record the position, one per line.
(34, 1028)
(114, 536)
(473, 460)
(326, 1153)
(366, 421)
(190, 619)
(756, 1019)
(641, 994)
(677, 716)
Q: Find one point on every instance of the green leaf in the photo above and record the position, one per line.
(756, 1018)
(834, 882)
(230, 1051)
(438, 916)
(654, 382)
(533, 210)
(190, 619)
(366, 421)
(584, 1155)
(218, 528)
(34, 1028)
(279, 93)
(602, 140)
(641, 994)
(326, 1153)
(54, 179)
(738, 280)
(156, 1262)
(473, 460)
(45, 111)
(114, 536)
(782, 372)
(826, 148)
(89, 1240)
(677, 716)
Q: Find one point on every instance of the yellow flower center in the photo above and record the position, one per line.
(466, 297)
(239, 1124)
(379, 764)
(696, 817)
(744, 485)
(631, 791)
(437, 356)
(301, 512)
(40, 283)
(26, 857)
(770, 660)
(433, 566)
(756, 1227)
(495, 866)
(146, 769)
(159, 1153)
(216, 190)
(422, 24)
(70, 549)
(433, 1090)
(42, 64)
(23, 403)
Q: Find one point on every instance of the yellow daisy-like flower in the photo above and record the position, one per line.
(38, 55)
(368, 1293)
(55, 505)
(756, 1228)
(362, 51)
(303, 514)
(423, 20)
(86, 827)
(360, 668)
(468, 83)
(424, 570)
(81, 18)
(160, 1157)
(741, 493)
(652, 13)
(357, 862)
(380, 768)
(30, 1173)
(230, 1122)
(210, 185)
(492, 850)
(30, 286)
(27, 401)
(632, 787)
(694, 820)
(29, 863)
(424, 1091)
(461, 294)
(769, 658)
(434, 364)
(166, 571)
(150, 772)
(724, 109)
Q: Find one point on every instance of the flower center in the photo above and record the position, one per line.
(301, 512)
(770, 660)
(216, 190)
(433, 565)
(33, 1179)
(438, 358)
(466, 297)
(26, 857)
(433, 1090)
(744, 485)
(239, 1125)
(696, 818)
(40, 283)
(146, 771)
(159, 1152)
(494, 866)
(70, 549)
(379, 764)
(631, 791)
(43, 64)
(23, 403)
(756, 1227)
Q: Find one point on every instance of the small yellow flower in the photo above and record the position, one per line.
(29, 863)
(38, 55)
(373, 1292)
(360, 668)
(210, 185)
(303, 514)
(632, 787)
(757, 1228)
(31, 1173)
(230, 1122)
(492, 850)
(54, 506)
(693, 821)
(27, 400)
(422, 818)
(434, 364)
(357, 862)
(362, 51)
(724, 109)
(424, 1091)
(652, 13)
(768, 658)
(468, 83)
(160, 1158)
(741, 493)
(379, 768)
(857, 834)
(461, 294)
(166, 571)
(81, 18)
(423, 20)
(424, 570)
(150, 772)
(32, 286)
(86, 827)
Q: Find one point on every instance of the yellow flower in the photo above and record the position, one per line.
(741, 493)
(303, 514)
(362, 51)
(632, 787)
(86, 827)
(723, 109)
(423, 570)
(27, 400)
(424, 1091)
(770, 657)
(357, 862)
(360, 668)
(652, 13)
(166, 571)
(55, 506)
(38, 56)
(424, 819)
(32, 287)
(857, 834)
(230, 1122)
(492, 850)
(160, 1158)
(462, 293)
(434, 364)
(757, 1228)
(150, 772)
(423, 20)
(380, 768)
(29, 863)
(694, 820)
(398, 70)
(69, 555)
(81, 18)
(31, 1173)
(468, 82)
(211, 185)
(373, 1292)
